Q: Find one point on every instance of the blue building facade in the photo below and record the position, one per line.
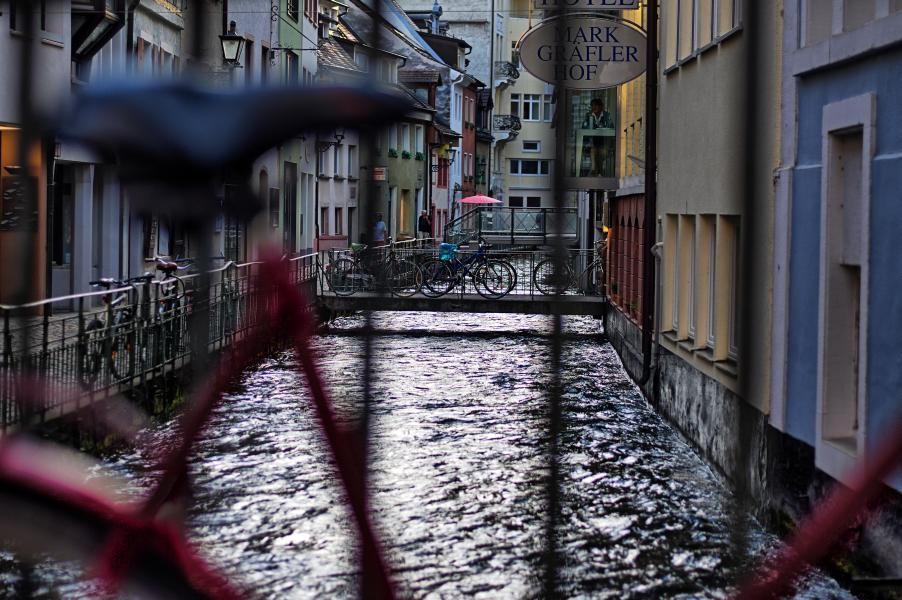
(838, 268)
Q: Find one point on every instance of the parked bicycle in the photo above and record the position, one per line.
(372, 268)
(171, 298)
(112, 336)
(492, 277)
(552, 278)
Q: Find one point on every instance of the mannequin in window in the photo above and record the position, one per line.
(600, 147)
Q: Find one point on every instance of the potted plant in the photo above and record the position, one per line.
(406, 155)
(420, 156)
(392, 153)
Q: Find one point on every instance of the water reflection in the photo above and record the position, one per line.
(459, 457)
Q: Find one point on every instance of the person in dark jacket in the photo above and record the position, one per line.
(424, 227)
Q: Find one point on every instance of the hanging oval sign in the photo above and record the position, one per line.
(583, 52)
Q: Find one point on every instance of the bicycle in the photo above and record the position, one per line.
(552, 281)
(371, 268)
(493, 278)
(169, 305)
(122, 343)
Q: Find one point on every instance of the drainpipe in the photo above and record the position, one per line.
(651, 190)
(129, 34)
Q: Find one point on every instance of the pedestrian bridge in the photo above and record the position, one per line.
(580, 295)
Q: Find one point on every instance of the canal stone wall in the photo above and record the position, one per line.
(709, 415)
(778, 477)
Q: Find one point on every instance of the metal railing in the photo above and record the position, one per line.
(533, 270)
(96, 351)
(505, 225)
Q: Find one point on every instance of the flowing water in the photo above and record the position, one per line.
(459, 459)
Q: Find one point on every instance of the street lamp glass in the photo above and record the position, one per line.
(231, 47)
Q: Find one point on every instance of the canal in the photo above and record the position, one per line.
(458, 459)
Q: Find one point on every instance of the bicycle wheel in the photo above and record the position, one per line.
(549, 280)
(438, 279)
(91, 360)
(494, 279)
(342, 277)
(404, 277)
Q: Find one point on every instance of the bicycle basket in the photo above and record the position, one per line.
(357, 248)
(447, 251)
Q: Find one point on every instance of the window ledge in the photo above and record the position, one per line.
(728, 366)
(323, 176)
(687, 344)
(352, 178)
(671, 336)
(338, 178)
(699, 51)
(706, 354)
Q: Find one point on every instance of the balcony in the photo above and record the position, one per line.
(505, 127)
(506, 73)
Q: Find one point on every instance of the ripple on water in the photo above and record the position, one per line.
(458, 473)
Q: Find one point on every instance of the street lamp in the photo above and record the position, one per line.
(231, 45)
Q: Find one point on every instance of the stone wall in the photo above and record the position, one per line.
(777, 476)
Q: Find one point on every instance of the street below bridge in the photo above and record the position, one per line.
(459, 457)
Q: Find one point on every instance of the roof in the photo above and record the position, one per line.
(445, 130)
(331, 54)
(342, 30)
(418, 103)
(419, 76)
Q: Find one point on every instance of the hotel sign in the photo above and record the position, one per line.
(583, 52)
(586, 4)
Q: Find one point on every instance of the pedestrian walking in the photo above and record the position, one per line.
(424, 227)
(379, 230)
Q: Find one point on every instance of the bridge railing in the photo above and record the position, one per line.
(81, 347)
(514, 226)
(532, 268)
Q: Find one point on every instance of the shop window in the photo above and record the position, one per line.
(339, 221)
(515, 201)
(533, 202)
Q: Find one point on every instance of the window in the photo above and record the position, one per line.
(546, 108)
(690, 25)
(324, 220)
(337, 151)
(274, 208)
(248, 62)
(671, 266)
(845, 199)
(442, 173)
(264, 65)
(515, 201)
(291, 64)
(420, 143)
(289, 207)
(533, 202)
(529, 106)
(310, 9)
(362, 60)
(685, 283)
(321, 162)
(521, 166)
(706, 281)
(352, 161)
(405, 137)
(532, 146)
(293, 10)
(339, 221)
(393, 137)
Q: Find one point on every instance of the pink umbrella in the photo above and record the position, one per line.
(479, 200)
